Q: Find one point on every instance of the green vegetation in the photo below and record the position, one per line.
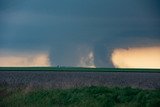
(80, 97)
(80, 69)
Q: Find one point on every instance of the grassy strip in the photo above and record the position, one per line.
(81, 97)
(79, 69)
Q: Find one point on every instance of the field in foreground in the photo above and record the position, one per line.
(67, 79)
(79, 87)
(79, 97)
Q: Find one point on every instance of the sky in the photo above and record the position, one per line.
(83, 33)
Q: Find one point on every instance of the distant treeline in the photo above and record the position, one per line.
(78, 69)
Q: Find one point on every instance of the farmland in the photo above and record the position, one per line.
(79, 87)
(67, 79)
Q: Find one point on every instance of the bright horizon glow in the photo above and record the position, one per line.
(16, 59)
(143, 57)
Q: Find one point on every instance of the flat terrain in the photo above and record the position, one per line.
(79, 97)
(67, 79)
(79, 87)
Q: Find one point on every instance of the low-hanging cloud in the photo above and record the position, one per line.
(143, 57)
(24, 59)
(72, 34)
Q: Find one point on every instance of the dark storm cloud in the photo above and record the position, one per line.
(71, 28)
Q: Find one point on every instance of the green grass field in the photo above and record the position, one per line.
(79, 69)
(80, 97)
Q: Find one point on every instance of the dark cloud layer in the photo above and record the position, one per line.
(69, 29)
